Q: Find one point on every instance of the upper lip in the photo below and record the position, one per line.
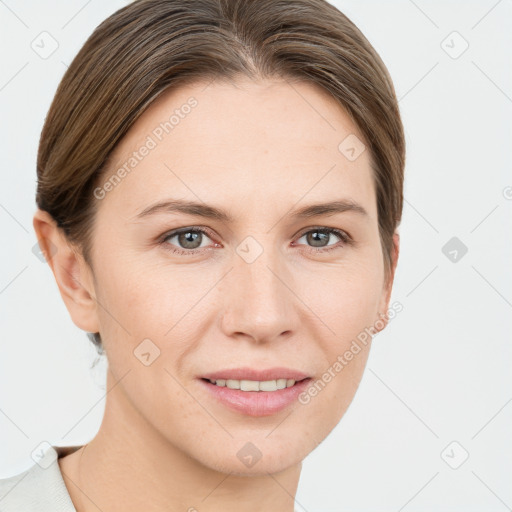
(254, 374)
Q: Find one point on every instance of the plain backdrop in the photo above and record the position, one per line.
(429, 427)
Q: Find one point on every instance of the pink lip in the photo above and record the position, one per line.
(256, 403)
(253, 374)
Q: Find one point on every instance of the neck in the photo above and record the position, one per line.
(130, 466)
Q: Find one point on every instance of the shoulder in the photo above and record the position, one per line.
(39, 488)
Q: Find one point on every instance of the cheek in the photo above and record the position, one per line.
(151, 314)
(142, 301)
(345, 298)
(346, 302)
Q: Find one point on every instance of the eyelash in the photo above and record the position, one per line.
(345, 238)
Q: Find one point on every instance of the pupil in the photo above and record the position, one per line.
(189, 238)
(317, 236)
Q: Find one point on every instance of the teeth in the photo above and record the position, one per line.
(254, 385)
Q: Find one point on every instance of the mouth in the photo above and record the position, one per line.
(256, 374)
(256, 385)
(255, 393)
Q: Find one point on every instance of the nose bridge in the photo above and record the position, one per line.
(259, 304)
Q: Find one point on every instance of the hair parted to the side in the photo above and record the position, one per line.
(149, 46)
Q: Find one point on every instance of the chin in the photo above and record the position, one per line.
(253, 454)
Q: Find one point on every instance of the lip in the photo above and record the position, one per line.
(254, 374)
(256, 403)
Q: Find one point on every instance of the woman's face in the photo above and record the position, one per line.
(253, 285)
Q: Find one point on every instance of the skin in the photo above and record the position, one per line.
(256, 150)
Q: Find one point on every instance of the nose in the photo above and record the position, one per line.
(258, 299)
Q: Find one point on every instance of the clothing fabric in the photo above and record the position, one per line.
(41, 487)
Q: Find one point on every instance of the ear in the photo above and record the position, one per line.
(388, 284)
(72, 274)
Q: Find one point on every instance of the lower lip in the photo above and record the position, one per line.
(256, 403)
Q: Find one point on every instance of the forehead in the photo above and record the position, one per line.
(263, 140)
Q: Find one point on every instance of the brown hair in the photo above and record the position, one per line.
(149, 46)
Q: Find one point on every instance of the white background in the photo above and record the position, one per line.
(440, 372)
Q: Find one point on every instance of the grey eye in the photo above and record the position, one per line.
(318, 237)
(187, 239)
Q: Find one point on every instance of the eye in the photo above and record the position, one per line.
(189, 239)
(319, 238)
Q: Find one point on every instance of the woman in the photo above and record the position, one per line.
(219, 191)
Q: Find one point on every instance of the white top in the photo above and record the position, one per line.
(40, 488)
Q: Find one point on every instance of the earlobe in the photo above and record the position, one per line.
(70, 271)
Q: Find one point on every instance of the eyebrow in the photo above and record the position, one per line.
(211, 212)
